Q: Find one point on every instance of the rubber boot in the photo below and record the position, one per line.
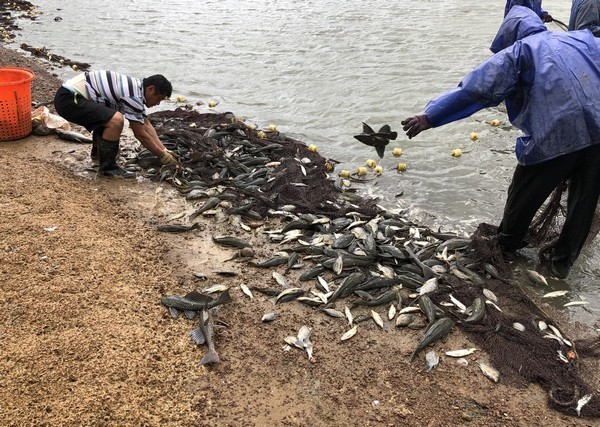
(96, 135)
(107, 153)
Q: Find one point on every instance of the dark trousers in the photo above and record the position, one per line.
(531, 186)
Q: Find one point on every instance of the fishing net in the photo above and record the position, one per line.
(269, 172)
(516, 337)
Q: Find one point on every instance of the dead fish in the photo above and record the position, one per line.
(404, 319)
(280, 279)
(430, 285)
(205, 333)
(490, 295)
(555, 294)
(391, 312)
(323, 284)
(177, 228)
(457, 303)
(231, 241)
(270, 292)
(461, 353)
(349, 334)
(304, 337)
(384, 298)
(438, 330)
(192, 303)
(246, 290)
(215, 288)
(292, 261)
(209, 204)
(493, 305)
(333, 313)
(536, 277)
(269, 317)
(489, 371)
(477, 311)
(575, 303)
(338, 265)
(69, 135)
(271, 262)
(310, 301)
(519, 327)
(377, 318)
(409, 309)
(582, 402)
(289, 295)
(312, 273)
(431, 361)
(348, 314)
(294, 341)
(427, 307)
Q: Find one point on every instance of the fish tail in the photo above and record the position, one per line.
(210, 357)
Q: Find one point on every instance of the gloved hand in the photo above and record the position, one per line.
(546, 17)
(168, 158)
(415, 125)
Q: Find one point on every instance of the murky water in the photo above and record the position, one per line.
(318, 69)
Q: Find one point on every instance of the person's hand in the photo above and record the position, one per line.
(415, 125)
(168, 158)
(546, 17)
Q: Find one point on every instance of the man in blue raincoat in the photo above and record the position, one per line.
(585, 15)
(535, 5)
(550, 82)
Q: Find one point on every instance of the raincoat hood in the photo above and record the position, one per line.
(519, 23)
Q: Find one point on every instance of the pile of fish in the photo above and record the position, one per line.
(343, 256)
(225, 161)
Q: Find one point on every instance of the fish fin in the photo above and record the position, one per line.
(224, 298)
(197, 297)
(210, 357)
(365, 139)
(367, 128)
(189, 314)
(385, 129)
(393, 135)
(174, 312)
(380, 148)
(197, 336)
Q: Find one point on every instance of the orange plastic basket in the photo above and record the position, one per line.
(15, 103)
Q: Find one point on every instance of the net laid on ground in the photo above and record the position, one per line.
(264, 173)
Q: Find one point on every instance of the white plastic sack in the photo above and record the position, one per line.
(44, 123)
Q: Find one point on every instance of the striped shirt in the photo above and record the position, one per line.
(117, 91)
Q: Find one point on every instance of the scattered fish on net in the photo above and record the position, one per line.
(365, 257)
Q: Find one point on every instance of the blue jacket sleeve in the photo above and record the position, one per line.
(486, 86)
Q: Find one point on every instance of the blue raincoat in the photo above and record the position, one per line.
(549, 80)
(585, 15)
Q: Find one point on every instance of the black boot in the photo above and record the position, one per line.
(107, 153)
(96, 135)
